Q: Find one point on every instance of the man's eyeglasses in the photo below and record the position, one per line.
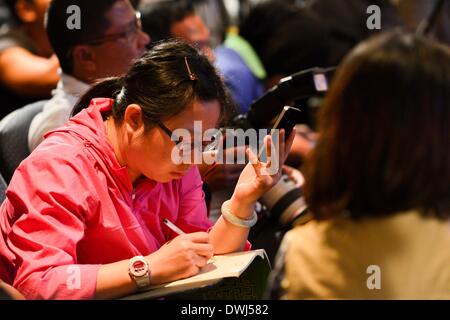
(130, 33)
(206, 146)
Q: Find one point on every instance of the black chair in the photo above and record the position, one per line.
(14, 137)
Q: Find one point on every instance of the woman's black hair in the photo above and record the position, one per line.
(160, 83)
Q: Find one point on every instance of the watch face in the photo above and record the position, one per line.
(139, 268)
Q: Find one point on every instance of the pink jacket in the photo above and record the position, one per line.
(71, 207)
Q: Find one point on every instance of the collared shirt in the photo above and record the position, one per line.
(57, 110)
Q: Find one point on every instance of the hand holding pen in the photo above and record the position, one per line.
(180, 258)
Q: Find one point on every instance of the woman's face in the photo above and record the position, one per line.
(150, 153)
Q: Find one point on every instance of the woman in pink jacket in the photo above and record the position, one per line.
(83, 214)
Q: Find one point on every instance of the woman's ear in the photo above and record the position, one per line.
(134, 124)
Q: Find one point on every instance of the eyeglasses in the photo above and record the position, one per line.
(206, 146)
(130, 33)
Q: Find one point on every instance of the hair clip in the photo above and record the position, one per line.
(192, 75)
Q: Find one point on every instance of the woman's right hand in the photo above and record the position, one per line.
(180, 258)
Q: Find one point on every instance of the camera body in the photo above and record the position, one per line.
(303, 90)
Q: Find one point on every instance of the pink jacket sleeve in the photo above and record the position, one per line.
(48, 203)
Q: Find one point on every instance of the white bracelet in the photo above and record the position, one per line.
(231, 218)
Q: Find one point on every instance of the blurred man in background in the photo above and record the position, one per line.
(163, 20)
(104, 47)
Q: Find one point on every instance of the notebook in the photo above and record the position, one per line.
(219, 267)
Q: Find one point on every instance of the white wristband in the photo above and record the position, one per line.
(231, 218)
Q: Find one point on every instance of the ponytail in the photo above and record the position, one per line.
(105, 88)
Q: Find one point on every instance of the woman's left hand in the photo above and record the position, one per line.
(258, 177)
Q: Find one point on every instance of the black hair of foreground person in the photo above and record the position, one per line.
(385, 132)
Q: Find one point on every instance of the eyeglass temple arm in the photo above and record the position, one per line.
(168, 132)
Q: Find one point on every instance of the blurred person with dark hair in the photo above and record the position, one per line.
(215, 16)
(28, 67)
(163, 20)
(378, 180)
(347, 22)
(105, 46)
(287, 39)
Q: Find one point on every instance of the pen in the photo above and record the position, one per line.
(173, 227)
